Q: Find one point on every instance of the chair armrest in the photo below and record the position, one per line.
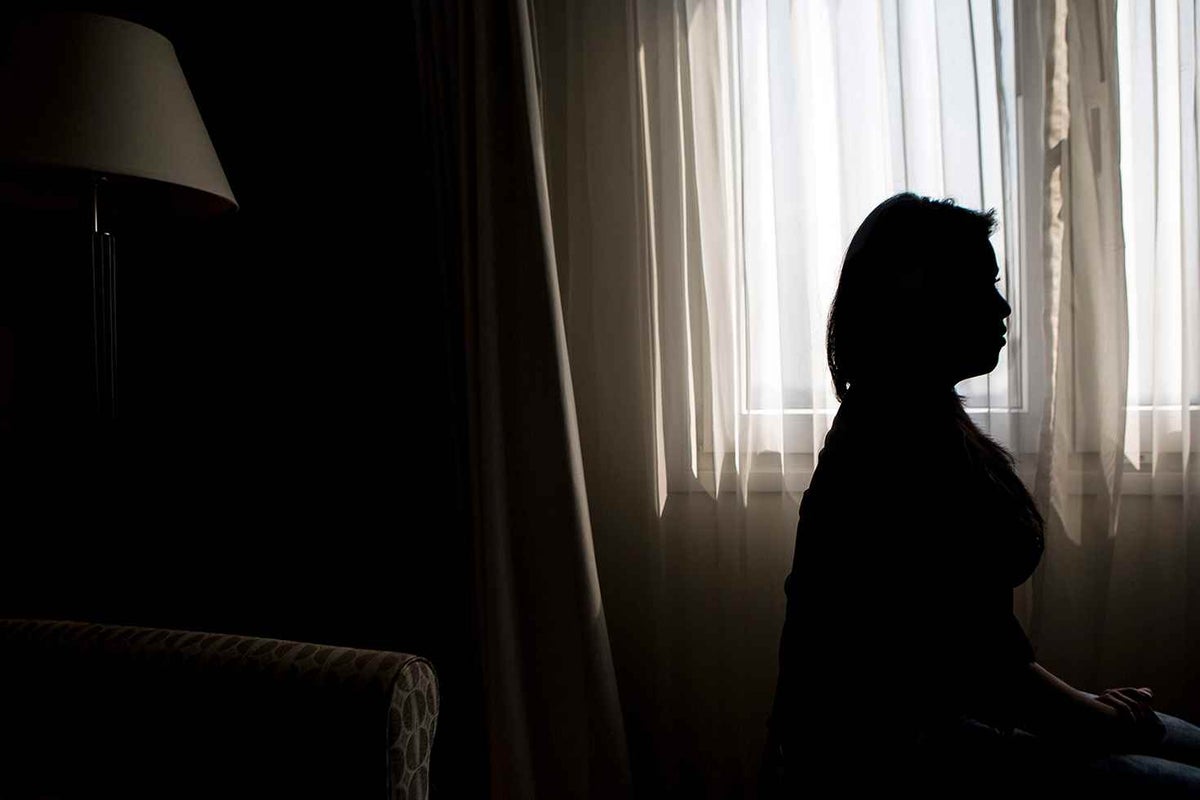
(272, 714)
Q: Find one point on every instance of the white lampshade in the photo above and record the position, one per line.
(84, 93)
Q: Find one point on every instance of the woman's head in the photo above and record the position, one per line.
(918, 297)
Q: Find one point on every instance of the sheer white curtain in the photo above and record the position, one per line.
(794, 120)
(707, 161)
(551, 705)
(1152, 619)
(1080, 463)
(1115, 601)
(1157, 55)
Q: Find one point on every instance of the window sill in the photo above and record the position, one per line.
(766, 477)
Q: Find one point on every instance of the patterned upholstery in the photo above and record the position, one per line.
(412, 721)
(303, 715)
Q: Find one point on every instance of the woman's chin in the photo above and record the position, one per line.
(983, 367)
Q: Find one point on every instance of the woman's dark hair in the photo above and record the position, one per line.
(906, 239)
(908, 243)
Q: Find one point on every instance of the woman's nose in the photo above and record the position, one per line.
(1006, 309)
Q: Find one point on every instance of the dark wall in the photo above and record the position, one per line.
(290, 455)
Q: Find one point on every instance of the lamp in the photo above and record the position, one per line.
(98, 105)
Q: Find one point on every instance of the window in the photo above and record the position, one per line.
(1156, 52)
(816, 123)
(777, 125)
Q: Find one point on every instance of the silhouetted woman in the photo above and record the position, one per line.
(901, 663)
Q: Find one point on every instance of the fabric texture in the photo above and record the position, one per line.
(412, 723)
(673, 181)
(975, 759)
(1117, 476)
(97, 710)
(771, 130)
(1083, 426)
(554, 719)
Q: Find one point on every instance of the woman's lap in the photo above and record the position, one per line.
(978, 758)
(1170, 768)
(1181, 742)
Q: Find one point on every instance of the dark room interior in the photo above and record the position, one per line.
(575, 398)
(289, 461)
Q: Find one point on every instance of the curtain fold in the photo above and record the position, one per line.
(1085, 335)
(775, 127)
(706, 161)
(552, 708)
(1154, 600)
(588, 80)
(1115, 600)
(1085, 317)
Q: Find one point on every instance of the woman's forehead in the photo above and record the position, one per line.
(977, 259)
(971, 258)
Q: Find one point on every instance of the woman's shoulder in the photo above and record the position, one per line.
(870, 434)
(870, 457)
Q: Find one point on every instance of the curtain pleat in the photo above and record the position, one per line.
(554, 719)
(706, 163)
(1153, 584)
(798, 118)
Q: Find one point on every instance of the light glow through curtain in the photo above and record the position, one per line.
(707, 162)
(795, 119)
(1157, 52)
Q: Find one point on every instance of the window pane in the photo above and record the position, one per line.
(833, 121)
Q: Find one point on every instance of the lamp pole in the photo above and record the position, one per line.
(91, 95)
(104, 314)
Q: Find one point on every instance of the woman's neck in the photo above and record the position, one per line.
(901, 389)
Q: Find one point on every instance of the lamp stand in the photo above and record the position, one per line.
(104, 314)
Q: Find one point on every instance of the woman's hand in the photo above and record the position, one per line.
(1132, 721)
(1117, 720)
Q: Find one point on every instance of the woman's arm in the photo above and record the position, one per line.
(1050, 706)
